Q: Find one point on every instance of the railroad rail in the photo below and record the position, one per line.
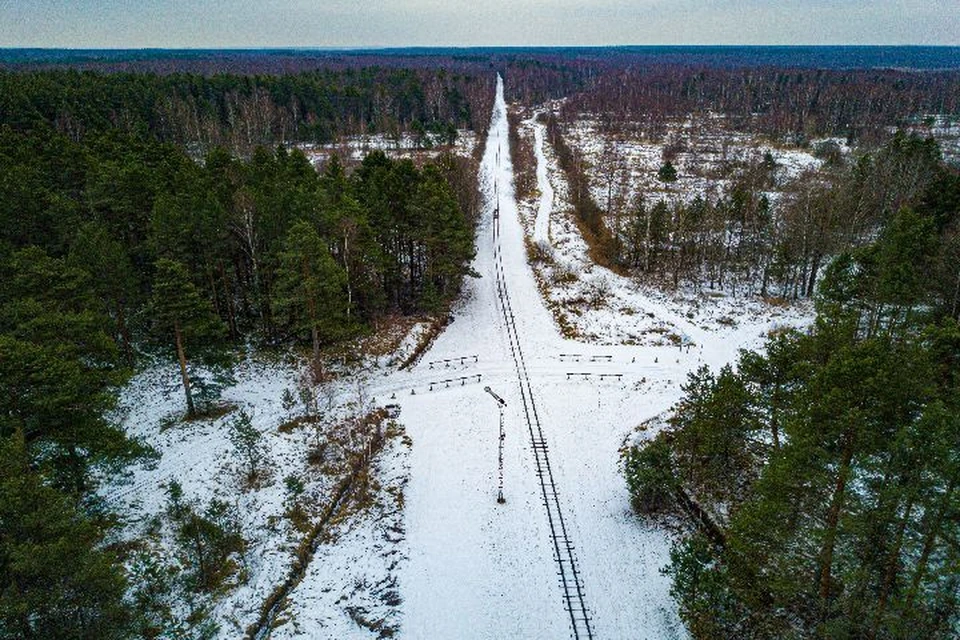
(571, 582)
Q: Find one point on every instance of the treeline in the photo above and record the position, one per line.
(825, 469)
(522, 158)
(115, 205)
(241, 112)
(116, 247)
(784, 103)
(745, 243)
(531, 80)
(601, 240)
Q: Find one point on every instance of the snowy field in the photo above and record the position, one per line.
(706, 153)
(435, 555)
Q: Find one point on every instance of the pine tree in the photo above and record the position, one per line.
(180, 313)
(95, 251)
(446, 238)
(59, 370)
(651, 478)
(206, 539)
(310, 288)
(667, 172)
(715, 421)
(345, 222)
(56, 580)
(247, 444)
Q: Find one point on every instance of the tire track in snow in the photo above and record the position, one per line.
(541, 229)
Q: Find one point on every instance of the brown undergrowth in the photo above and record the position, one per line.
(354, 493)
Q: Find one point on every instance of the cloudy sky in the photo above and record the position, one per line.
(371, 23)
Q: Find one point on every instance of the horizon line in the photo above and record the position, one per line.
(465, 47)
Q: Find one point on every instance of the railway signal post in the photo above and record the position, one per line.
(501, 405)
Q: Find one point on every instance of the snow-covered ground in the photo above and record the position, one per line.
(354, 149)
(436, 555)
(477, 569)
(601, 307)
(945, 130)
(199, 456)
(706, 153)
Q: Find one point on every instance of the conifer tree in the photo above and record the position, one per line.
(310, 288)
(667, 172)
(56, 582)
(58, 367)
(247, 444)
(95, 251)
(447, 239)
(206, 538)
(182, 316)
(345, 222)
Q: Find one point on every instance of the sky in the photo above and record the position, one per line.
(392, 23)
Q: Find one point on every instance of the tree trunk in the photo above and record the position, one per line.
(346, 266)
(833, 518)
(933, 530)
(955, 306)
(125, 343)
(646, 247)
(201, 561)
(775, 420)
(814, 268)
(891, 570)
(231, 310)
(182, 357)
(313, 316)
(315, 335)
(77, 472)
(214, 295)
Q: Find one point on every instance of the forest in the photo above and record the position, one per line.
(794, 103)
(241, 112)
(743, 240)
(820, 473)
(118, 246)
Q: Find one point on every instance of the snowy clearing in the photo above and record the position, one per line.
(704, 150)
(354, 148)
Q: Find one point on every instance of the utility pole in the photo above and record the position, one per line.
(501, 405)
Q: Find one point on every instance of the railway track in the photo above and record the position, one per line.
(571, 583)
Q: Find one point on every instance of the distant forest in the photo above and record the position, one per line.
(241, 112)
(785, 103)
